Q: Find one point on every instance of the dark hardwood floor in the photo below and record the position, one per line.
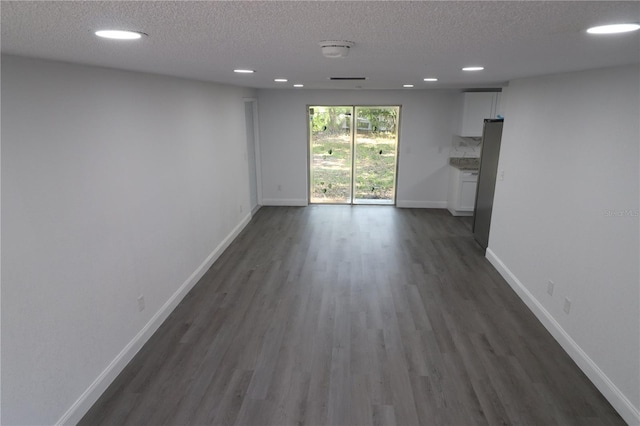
(365, 315)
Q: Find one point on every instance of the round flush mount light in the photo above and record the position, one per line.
(408, 86)
(472, 68)
(120, 34)
(430, 79)
(614, 29)
(280, 80)
(298, 85)
(335, 48)
(244, 71)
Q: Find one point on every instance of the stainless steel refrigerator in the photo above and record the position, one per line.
(491, 137)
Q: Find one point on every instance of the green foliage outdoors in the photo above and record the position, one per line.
(335, 120)
(375, 153)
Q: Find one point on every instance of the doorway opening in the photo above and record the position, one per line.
(353, 154)
(253, 154)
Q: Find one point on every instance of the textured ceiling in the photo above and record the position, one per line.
(397, 42)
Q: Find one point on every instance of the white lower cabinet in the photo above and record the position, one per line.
(462, 191)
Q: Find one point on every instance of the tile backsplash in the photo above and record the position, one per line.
(463, 147)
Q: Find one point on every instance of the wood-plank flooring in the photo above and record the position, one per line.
(364, 315)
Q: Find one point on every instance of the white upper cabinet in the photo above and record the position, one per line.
(475, 108)
(496, 105)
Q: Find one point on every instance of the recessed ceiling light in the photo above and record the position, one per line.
(430, 79)
(472, 68)
(119, 34)
(240, 71)
(280, 80)
(407, 85)
(614, 29)
(298, 85)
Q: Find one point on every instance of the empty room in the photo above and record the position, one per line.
(320, 213)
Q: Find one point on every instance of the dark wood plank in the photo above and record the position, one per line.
(352, 316)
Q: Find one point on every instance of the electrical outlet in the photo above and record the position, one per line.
(241, 208)
(501, 174)
(550, 287)
(279, 187)
(567, 305)
(141, 303)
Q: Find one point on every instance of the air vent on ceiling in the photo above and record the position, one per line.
(347, 78)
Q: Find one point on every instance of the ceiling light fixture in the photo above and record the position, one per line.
(472, 68)
(407, 85)
(335, 48)
(120, 34)
(430, 79)
(280, 80)
(241, 71)
(614, 29)
(298, 85)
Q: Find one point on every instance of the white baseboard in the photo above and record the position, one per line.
(410, 204)
(300, 202)
(460, 212)
(82, 405)
(255, 210)
(616, 398)
(292, 202)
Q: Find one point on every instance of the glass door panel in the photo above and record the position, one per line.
(330, 171)
(375, 149)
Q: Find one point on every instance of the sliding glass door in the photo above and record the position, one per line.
(353, 154)
(331, 159)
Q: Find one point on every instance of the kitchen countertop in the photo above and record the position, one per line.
(465, 163)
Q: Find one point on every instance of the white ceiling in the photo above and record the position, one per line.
(396, 42)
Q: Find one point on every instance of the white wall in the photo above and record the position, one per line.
(570, 151)
(427, 122)
(114, 184)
